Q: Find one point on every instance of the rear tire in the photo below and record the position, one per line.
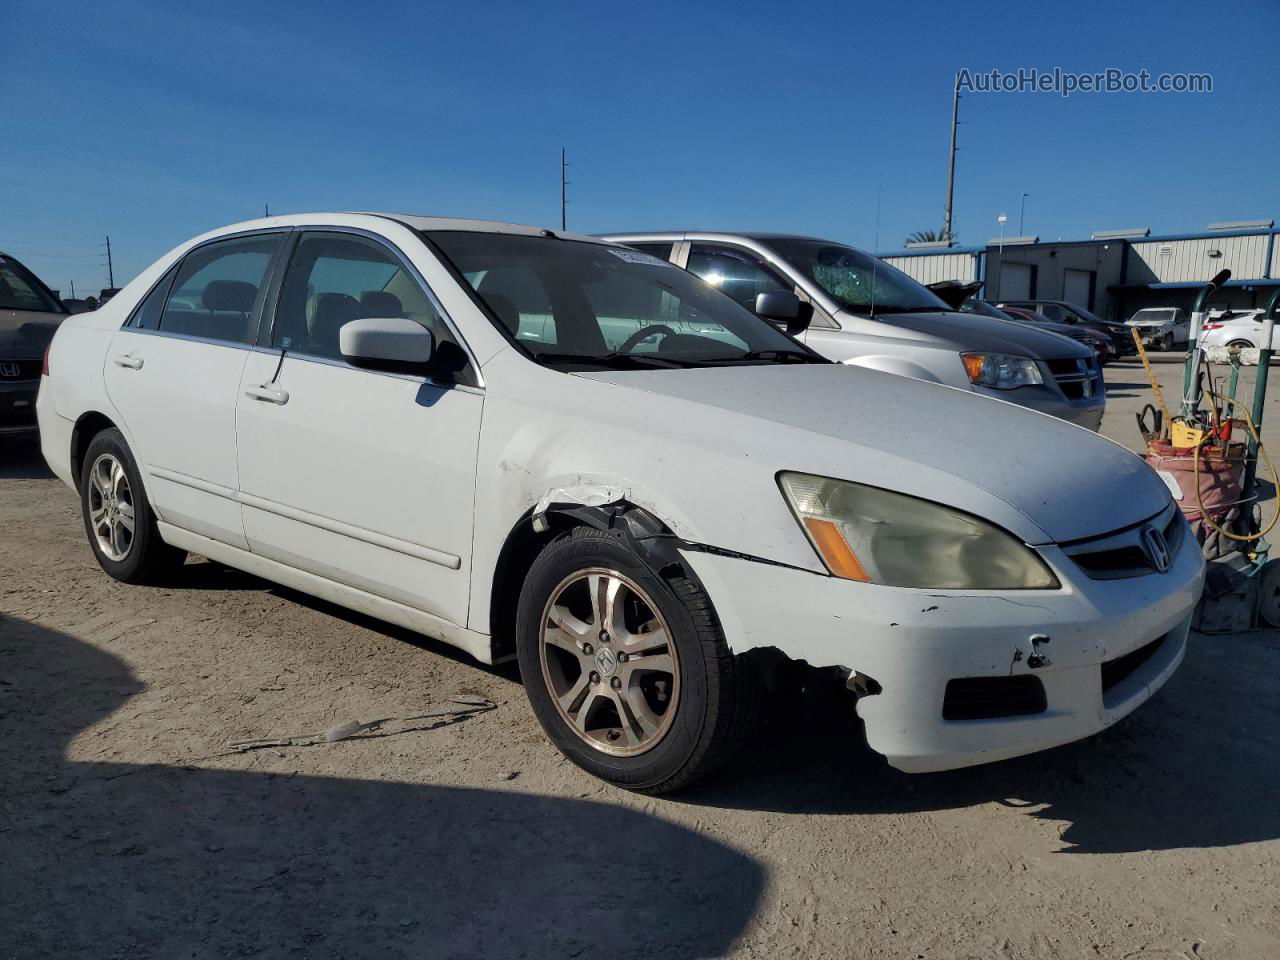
(650, 728)
(118, 518)
(1242, 344)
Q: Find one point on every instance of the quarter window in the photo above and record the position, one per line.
(334, 278)
(736, 273)
(148, 313)
(660, 250)
(217, 293)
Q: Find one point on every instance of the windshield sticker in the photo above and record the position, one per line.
(635, 256)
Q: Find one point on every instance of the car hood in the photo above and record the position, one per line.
(943, 444)
(1150, 323)
(970, 331)
(24, 333)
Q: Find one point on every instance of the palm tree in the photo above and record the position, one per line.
(930, 236)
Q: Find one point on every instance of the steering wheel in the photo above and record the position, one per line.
(644, 333)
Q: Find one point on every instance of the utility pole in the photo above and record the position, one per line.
(951, 168)
(111, 274)
(1022, 213)
(563, 183)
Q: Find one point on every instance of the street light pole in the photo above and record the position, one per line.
(1022, 213)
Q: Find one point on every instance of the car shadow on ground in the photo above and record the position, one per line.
(1179, 772)
(102, 859)
(1194, 767)
(21, 459)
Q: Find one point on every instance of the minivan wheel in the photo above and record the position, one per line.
(117, 515)
(628, 671)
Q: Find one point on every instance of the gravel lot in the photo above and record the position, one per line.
(127, 829)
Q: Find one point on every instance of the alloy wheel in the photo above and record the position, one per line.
(609, 662)
(111, 510)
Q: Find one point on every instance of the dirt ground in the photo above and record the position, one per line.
(128, 830)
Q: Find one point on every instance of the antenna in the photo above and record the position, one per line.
(875, 257)
(563, 183)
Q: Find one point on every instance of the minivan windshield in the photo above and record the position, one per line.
(578, 304)
(863, 283)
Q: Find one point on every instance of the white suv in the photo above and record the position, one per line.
(548, 447)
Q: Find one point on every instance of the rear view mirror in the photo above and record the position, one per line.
(395, 344)
(782, 307)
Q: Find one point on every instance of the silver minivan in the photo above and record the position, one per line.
(858, 310)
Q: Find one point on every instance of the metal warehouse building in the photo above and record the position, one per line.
(1113, 273)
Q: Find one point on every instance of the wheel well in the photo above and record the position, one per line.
(522, 546)
(87, 427)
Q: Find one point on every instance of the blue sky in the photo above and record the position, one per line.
(155, 121)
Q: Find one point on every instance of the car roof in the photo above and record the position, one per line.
(760, 235)
(411, 220)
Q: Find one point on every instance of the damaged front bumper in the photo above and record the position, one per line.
(1053, 665)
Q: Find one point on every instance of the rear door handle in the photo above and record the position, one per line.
(268, 394)
(128, 360)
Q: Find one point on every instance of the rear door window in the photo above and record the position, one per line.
(218, 291)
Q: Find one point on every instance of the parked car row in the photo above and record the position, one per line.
(560, 450)
(858, 310)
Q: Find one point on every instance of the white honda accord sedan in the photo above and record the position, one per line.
(537, 445)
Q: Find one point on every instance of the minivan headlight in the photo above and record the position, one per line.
(1001, 371)
(876, 536)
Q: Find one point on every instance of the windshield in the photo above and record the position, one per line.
(573, 303)
(20, 290)
(984, 309)
(858, 280)
(1149, 316)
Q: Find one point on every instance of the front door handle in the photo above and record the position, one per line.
(268, 394)
(128, 360)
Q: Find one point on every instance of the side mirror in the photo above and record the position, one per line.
(394, 344)
(782, 307)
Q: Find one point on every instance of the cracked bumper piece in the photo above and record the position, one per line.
(1110, 645)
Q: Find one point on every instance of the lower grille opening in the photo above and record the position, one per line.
(987, 698)
(1118, 670)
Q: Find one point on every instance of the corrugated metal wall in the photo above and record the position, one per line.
(1188, 261)
(930, 268)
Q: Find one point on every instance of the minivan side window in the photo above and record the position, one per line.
(218, 291)
(659, 249)
(334, 278)
(736, 273)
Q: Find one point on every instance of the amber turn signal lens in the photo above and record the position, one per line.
(973, 365)
(839, 558)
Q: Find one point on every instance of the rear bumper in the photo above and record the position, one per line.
(913, 643)
(18, 406)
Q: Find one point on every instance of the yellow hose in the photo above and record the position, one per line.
(1262, 452)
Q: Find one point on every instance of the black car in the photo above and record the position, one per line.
(1059, 311)
(29, 315)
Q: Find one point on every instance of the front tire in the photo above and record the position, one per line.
(628, 671)
(118, 518)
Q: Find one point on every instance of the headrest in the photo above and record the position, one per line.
(331, 308)
(505, 310)
(379, 303)
(229, 295)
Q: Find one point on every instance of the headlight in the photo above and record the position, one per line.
(875, 536)
(1001, 371)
